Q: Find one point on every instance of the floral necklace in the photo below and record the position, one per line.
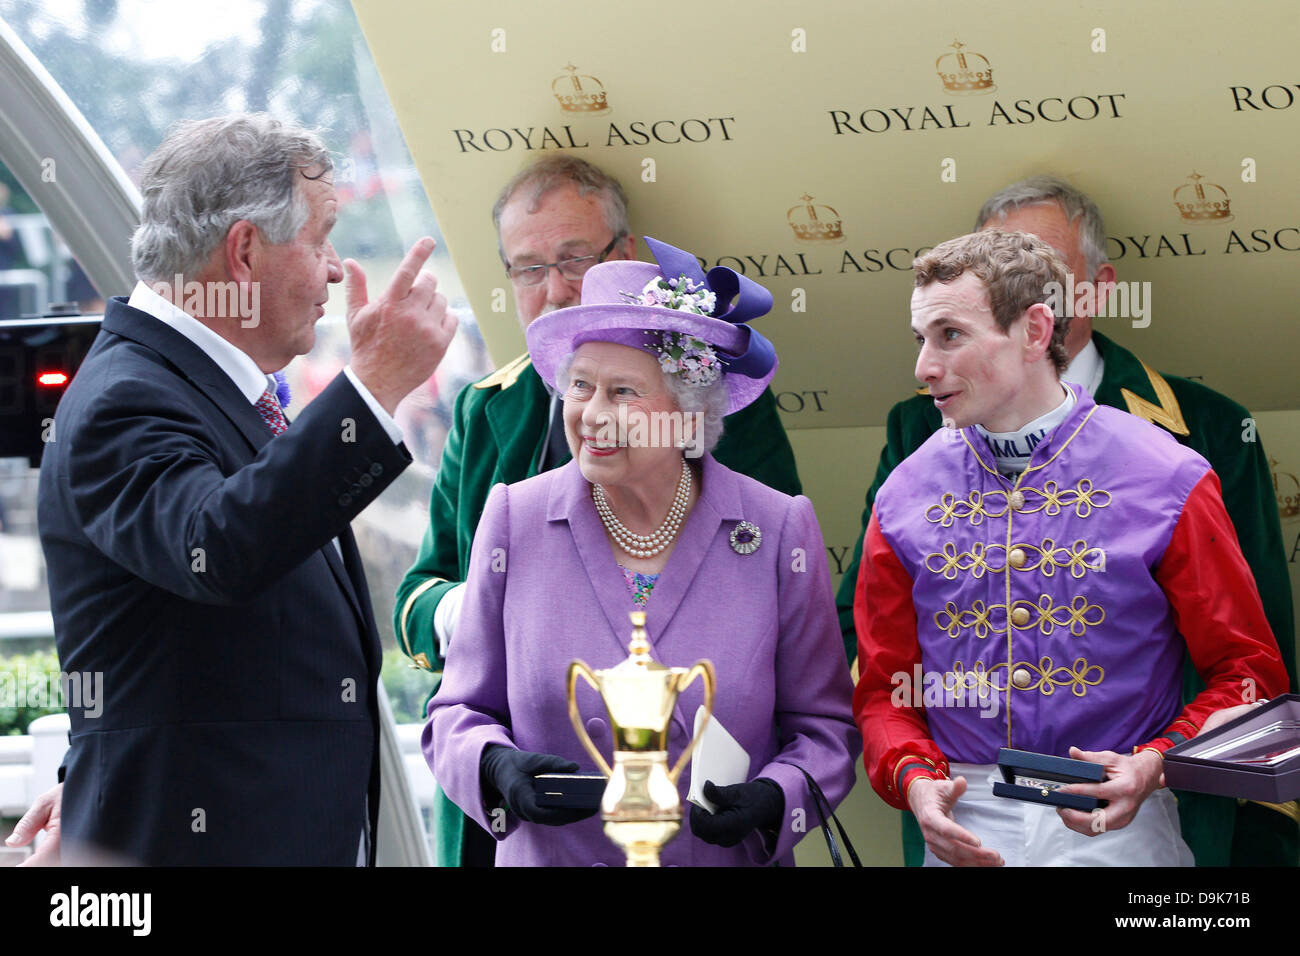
(646, 545)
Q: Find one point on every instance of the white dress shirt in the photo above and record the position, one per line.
(243, 371)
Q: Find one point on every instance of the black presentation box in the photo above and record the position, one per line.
(575, 791)
(1036, 777)
(1254, 757)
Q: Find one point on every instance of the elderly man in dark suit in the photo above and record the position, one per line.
(198, 548)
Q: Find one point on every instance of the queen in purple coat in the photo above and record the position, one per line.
(725, 568)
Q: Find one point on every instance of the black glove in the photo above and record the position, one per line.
(510, 772)
(742, 808)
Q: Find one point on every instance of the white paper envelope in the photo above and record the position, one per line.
(717, 758)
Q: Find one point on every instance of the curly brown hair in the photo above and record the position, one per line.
(1017, 270)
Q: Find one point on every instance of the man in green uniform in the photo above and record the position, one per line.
(555, 220)
(1219, 831)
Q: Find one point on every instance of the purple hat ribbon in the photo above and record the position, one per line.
(751, 301)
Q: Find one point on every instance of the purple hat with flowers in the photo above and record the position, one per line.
(694, 324)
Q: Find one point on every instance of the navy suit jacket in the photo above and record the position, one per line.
(191, 562)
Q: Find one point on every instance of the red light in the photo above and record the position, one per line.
(52, 378)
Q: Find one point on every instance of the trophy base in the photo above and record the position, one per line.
(641, 840)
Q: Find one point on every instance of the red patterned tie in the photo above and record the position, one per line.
(268, 406)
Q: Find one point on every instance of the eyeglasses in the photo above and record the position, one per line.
(572, 269)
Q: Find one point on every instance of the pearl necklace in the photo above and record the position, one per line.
(646, 545)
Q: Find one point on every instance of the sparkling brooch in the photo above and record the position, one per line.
(745, 538)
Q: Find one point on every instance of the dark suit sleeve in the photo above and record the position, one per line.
(154, 492)
(910, 424)
(754, 443)
(437, 567)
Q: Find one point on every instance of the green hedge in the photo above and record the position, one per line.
(28, 679)
(408, 687)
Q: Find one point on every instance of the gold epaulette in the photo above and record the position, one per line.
(1167, 414)
(506, 375)
(1289, 809)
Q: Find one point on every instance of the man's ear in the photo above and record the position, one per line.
(240, 249)
(1101, 283)
(625, 248)
(1039, 323)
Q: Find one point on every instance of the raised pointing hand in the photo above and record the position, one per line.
(399, 338)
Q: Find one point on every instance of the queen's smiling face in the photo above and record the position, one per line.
(611, 388)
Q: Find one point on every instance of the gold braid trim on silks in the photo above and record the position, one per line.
(1078, 559)
(1078, 616)
(912, 758)
(994, 504)
(1078, 676)
(976, 679)
(1167, 414)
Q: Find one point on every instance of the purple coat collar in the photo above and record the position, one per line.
(719, 502)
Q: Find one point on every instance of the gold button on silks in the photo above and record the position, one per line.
(1021, 678)
(1019, 616)
(1017, 557)
(422, 660)
(1017, 500)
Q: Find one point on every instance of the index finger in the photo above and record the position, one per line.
(405, 275)
(948, 829)
(1101, 790)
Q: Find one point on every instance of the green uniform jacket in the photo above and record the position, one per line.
(496, 437)
(1218, 831)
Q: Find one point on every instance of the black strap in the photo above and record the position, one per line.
(824, 808)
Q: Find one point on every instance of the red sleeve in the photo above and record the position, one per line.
(1218, 611)
(896, 737)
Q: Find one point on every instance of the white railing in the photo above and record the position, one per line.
(29, 766)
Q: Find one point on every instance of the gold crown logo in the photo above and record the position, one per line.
(964, 74)
(814, 223)
(1287, 489)
(1200, 203)
(579, 93)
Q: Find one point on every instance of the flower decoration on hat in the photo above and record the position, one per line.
(690, 358)
(693, 360)
(681, 294)
(695, 323)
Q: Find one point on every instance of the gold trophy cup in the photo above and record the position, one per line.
(641, 808)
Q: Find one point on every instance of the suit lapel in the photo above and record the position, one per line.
(1122, 371)
(570, 501)
(197, 368)
(718, 503)
(193, 363)
(1129, 383)
(517, 415)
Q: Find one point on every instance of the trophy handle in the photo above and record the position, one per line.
(701, 669)
(576, 668)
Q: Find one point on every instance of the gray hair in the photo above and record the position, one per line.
(1075, 204)
(711, 401)
(209, 174)
(555, 172)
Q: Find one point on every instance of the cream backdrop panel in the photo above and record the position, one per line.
(818, 146)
